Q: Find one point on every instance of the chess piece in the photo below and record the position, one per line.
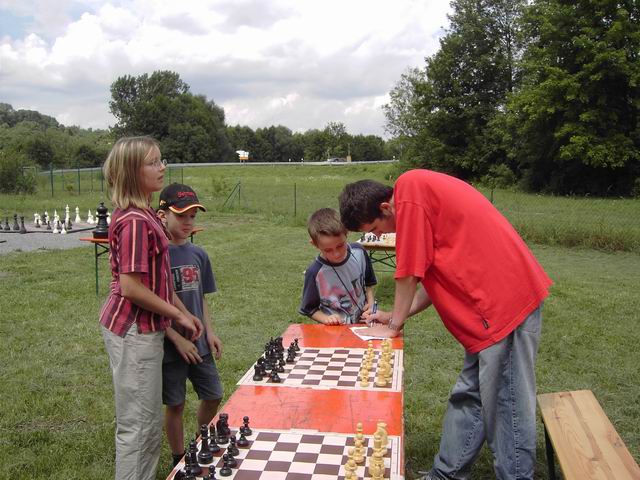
(225, 471)
(7, 228)
(245, 430)
(35, 220)
(280, 368)
(63, 231)
(275, 378)
(48, 225)
(242, 441)
(212, 472)
(358, 451)
(295, 345)
(205, 455)
(191, 466)
(77, 219)
(22, 227)
(16, 227)
(89, 218)
(102, 228)
(55, 227)
(364, 377)
(221, 428)
(257, 375)
(351, 466)
(66, 212)
(231, 461)
(232, 449)
(213, 445)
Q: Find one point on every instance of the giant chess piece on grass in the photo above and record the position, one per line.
(16, 227)
(102, 228)
(22, 227)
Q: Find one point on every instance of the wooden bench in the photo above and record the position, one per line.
(585, 442)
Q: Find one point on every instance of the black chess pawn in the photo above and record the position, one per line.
(69, 224)
(22, 227)
(205, 455)
(212, 472)
(275, 378)
(296, 346)
(213, 445)
(7, 228)
(280, 368)
(231, 459)
(225, 471)
(245, 427)
(191, 466)
(291, 356)
(16, 227)
(242, 441)
(257, 376)
(48, 224)
(232, 449)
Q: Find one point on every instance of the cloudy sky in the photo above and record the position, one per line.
(299, 63)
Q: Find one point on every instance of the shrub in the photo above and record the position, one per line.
(14, 176)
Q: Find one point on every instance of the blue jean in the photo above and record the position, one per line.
(494, 399)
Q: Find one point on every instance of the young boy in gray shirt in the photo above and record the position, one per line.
(338, 285)
(192, 279)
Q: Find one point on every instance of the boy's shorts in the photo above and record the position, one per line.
(204, 378)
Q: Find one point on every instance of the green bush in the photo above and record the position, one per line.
(15, 177)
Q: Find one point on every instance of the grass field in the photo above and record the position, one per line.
(289, 193)
(57, 403)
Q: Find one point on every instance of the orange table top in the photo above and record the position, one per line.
(323, 410)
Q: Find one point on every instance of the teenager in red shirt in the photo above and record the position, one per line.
(140, 305)
(467, 260)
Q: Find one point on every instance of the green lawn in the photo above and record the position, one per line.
(288, 194)
(57, 403)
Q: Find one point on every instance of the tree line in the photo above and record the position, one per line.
(541, 94)
(189, 127)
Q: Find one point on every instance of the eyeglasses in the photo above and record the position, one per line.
(157, 163)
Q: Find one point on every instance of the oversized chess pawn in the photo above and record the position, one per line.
(90, 218)
(102, 228)
(7, 228)
(63, 230)
(35, 220)
(55, 227)
(77, 219)
(16, 226)
(22, 227)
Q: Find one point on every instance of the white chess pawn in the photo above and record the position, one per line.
(63, 231)
(35, 219)
(55, 227)
(77, 220)
(89, 218)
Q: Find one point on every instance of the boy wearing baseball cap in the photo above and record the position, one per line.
(192, 279)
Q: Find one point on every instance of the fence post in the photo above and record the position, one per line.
(51, 175)
(295, 202)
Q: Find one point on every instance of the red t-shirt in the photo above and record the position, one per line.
(480, 275)
(137, 243)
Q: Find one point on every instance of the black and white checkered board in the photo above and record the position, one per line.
(303, 455)
(327, 368)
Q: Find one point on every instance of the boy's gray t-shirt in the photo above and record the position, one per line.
(338, 288)
(192, 278)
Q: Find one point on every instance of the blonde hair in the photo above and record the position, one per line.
(122, 167)
(325, 221)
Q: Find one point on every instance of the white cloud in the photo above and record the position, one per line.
(291, 62)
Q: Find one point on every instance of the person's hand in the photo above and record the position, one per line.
(187, 350)
(215, 344)
(333, 320)
(380, 317)
(380, 331)
(191, 324)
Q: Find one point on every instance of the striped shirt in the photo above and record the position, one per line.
(138, 244)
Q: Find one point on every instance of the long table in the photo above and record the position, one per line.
(330, 411)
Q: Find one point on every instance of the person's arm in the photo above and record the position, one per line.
(215, 344)
(186, 348)
(421, 301)
(134, 290)
(402, 306)
(322, 317)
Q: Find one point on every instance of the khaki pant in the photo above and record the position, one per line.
(136, 365)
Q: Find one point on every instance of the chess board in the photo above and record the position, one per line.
(302, 455)
(330, 368)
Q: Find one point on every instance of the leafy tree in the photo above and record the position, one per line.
(574, 122)
(189, 127)
(445, 112)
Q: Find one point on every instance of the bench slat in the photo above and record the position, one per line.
(586, 443)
